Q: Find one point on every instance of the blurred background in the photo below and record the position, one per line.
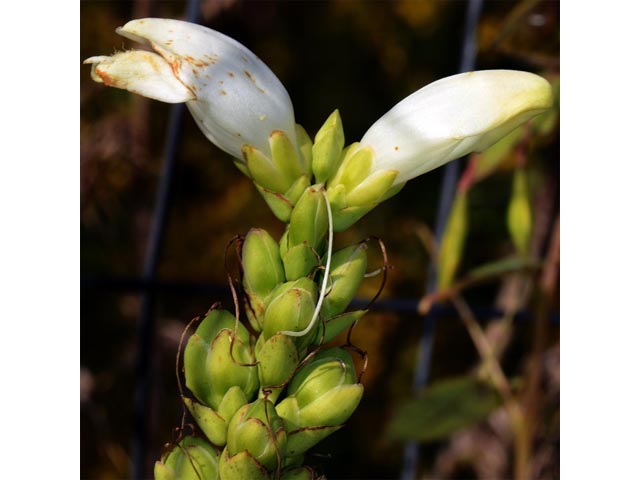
(361, 57)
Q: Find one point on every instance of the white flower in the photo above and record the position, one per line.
(452, 117)
(233, 96)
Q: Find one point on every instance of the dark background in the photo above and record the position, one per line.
(362, 58)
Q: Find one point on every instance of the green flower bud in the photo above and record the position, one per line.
(453, 240)
(282, 204)
(214, 424)
(321, 397)
(257, 429)
(354, 190)
(348, 267)
(305, 145)
(263, 171)
(519, 218)
(254, 308)
(261, 263)
(210, 371)
(278, 357)
(355, 165)
(302, 439)
(192, 459)
(309, 219)
(343, 219)
(370, 191)
(290, 308)
(241, 466)
(300, 473)
(327, 148)
(279, 204)
(285, 157)
(299, 261)
(336, 325)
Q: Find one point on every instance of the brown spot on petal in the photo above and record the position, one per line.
(175, 65)
(168, 42)
(222, 92)
(230, 74)
(250, 77)
(395, 148)
(221, 82)
(106, 78)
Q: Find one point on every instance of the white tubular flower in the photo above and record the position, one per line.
(452, 117)
(233, 96)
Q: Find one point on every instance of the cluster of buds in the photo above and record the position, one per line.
(266, 391)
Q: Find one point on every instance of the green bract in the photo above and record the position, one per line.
(212, 366)
(257, 429)
(321, 397)
(192, 459)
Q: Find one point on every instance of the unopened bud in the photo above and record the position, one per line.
(278, 357)
(309, 219)
(192, 459)
(261, 263)
(299, 261)
(285, 158)
(331, 328)
(291, 308)
(321, 397)
(214, 423)
(348, 267)
(257, 429)
(327, 148)
(240, 466)
(306, 145)
(210, 369)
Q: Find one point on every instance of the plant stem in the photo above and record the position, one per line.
(500, 382)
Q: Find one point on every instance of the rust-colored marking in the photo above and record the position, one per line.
(230, 74)
(222, 92)
(250, 77)
(106, 78)
(175, 65)
(395, 148)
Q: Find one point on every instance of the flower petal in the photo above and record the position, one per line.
(452, 117)
(144, 73)
(238, 101)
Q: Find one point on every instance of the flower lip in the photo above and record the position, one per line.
(141, 72)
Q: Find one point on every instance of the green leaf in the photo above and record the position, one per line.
(442, 409)
(500, 267)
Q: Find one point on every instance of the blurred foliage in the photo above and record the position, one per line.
(361, 57)
(444, 408)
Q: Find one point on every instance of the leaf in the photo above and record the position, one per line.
(442, 409)
(500, 267)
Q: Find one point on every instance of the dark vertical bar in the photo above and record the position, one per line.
(447, 193)
(146, 330)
